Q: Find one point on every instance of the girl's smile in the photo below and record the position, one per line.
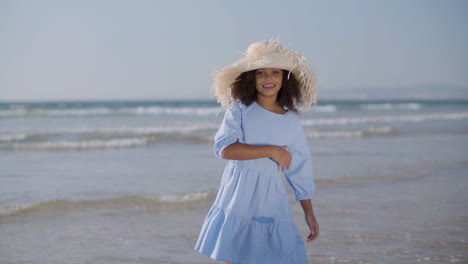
(269, 86)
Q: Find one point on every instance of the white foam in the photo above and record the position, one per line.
(156, 201)
(100, 111)
(156, 110)
(350, 133)
(73, 112)
(12, 210)
(106, 137)
(12, 137)
(83, 144)
(182, 128)
(324, 108)
(384, 119)
(13, 113)
(180, 198)
(391, 106)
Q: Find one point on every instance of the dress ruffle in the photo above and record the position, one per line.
(240, 240)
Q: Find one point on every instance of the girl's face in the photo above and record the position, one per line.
(268, 81)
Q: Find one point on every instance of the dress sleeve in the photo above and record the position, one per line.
(300, 175)
(230, 130)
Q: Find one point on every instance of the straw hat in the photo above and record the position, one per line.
(267, 54)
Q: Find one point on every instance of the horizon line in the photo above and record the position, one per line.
(324, 98)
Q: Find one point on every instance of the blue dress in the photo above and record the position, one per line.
(250, 221)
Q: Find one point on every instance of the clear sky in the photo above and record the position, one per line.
(111, 49)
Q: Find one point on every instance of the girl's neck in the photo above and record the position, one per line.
(270, 104)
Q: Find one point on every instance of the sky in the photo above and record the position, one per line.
(160, 50)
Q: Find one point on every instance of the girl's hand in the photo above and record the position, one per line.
(313, 226)
(281, 155)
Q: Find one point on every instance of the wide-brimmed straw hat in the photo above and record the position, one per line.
(267, 54)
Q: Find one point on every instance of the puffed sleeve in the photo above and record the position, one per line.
(230, 130)
(300, 175)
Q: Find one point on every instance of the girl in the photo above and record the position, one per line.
(261, 135)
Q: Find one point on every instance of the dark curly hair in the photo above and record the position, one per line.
(289, 96)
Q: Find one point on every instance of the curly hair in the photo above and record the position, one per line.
(289, 96)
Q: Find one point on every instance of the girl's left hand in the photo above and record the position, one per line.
(313, 226)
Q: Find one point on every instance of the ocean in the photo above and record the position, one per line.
(132, 181)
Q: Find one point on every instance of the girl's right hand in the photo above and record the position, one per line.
(281, 155)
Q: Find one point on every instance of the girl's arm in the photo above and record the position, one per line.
(310, 220)
(241, 151)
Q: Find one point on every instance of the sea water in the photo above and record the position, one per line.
(131, 181)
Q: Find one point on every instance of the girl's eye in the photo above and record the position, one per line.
(259, 73)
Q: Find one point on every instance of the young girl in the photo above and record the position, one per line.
(261, 135)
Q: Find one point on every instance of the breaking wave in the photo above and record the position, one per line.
(371, 131)
(99, 138)
(330, 108)
(385, 119)
(391, 106)
(134, 202)
(108, 111)
(112, 143)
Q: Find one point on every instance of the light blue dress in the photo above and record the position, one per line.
(250, 221)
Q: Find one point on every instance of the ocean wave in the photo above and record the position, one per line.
(118, 130)
(330, 108)
(181, 131)
(81, 144)
(156, 110)
(138, 137)
(371, 131)
(384, 119)
(112, 143)
(13, 112)
(391, 106)
(106, 111)
(132, 202)
(13, 137)
(144, 137)
(183, 128)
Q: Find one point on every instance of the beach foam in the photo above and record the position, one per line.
(107, 111)
(132, 202)
(391, 106)
(370, 131)
(385, 119)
